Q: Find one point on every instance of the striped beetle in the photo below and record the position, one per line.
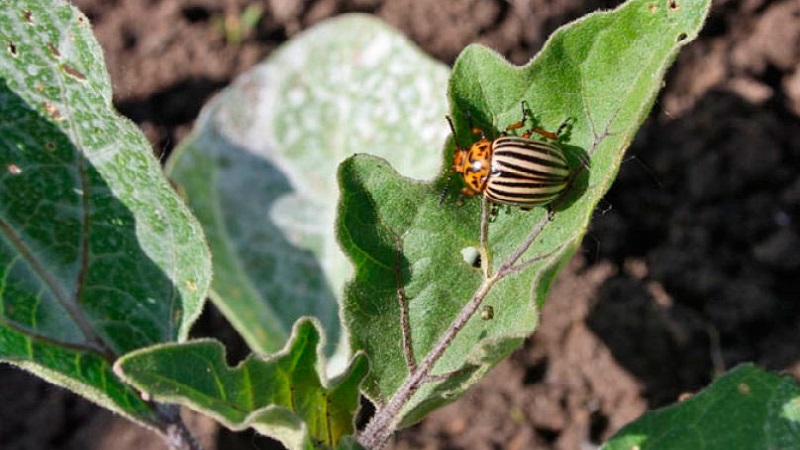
(513, 170)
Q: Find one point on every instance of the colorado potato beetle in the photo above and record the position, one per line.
(513, 170)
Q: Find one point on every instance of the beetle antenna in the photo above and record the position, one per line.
(452, 129)
(446, 187)
(526, 111)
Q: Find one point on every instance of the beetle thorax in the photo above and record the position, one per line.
(477, 164)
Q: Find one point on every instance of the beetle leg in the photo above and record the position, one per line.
(521, 123)
(493, 212)
(551, 213)
(514, 126)
(566, 123)
(548, 134)
(467, 191)
(443, 193)
(526, 113)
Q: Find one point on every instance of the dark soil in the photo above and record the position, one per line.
(692, 264)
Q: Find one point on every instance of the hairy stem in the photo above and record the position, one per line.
(175, 433)
(485, 252)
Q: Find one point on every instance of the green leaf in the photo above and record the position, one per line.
(282, 396)
(260, 167)
(99, 256)
(83, 372)
(601, 74)
(746, 408)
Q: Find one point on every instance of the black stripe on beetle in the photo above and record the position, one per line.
(513, 170)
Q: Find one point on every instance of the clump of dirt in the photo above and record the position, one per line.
(690, 266)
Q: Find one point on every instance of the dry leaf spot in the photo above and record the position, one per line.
(14, 169)
(653, 8)
(73, 72)
(27, 16)
(52, 111)
(744, 389)
(53, 50)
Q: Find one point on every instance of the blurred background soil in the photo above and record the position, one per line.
(691, 265)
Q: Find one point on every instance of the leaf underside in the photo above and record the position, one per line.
(259, 167)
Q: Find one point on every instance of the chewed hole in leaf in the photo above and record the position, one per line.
(471, 256)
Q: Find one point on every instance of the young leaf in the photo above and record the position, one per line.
(412, 305)
(260, 167)
(99, 256)
(745, 408)
(282, 396)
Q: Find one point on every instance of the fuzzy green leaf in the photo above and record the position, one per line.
(746, 408)
(260, 167)
(282, 396)
(601, 74)
(98, 255)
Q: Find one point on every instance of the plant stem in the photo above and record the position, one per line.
(175, 433)
(485, 252)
